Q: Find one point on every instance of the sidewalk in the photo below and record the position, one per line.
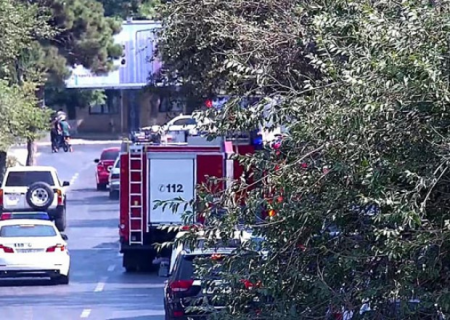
(98, 136)
(81, 139)
(19, 154)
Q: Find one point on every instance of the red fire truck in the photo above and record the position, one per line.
(150, 172)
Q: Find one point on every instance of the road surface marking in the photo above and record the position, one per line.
(111, 267)
(85, 313)
(101, 285)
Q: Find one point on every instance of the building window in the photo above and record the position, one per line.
(112, 105)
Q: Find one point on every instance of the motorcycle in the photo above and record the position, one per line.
(61, 143)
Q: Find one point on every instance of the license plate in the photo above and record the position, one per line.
(213, 291)
(29, 250)
(14, 196)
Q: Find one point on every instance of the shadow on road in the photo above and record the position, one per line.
(100, 200)
(25, 282)
(87, 190)
(95, 223)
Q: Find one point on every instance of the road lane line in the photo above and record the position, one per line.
(85, 313)
(101, 285)
(111, 268)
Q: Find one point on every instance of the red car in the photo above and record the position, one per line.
(104, 165)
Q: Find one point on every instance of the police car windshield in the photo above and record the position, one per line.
(28, 230)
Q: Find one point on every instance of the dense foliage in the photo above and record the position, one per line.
(364, 90)
(40, 40)
(22, 24)
(136, 9)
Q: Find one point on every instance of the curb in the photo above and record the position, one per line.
(76, 142)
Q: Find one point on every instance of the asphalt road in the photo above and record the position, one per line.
(99, 288)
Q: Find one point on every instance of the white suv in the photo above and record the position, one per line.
(34, 188)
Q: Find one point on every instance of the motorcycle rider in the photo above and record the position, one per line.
(58, 129)
(65, 128)
(55, 133)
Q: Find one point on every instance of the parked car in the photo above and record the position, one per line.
(38, 215)
(35, 188)
(104, 166)
(114, 180)
(183, 289)
(176, 129)
(33, 248)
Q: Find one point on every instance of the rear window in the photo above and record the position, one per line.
(187, 268)
(109, 155)
(184, 122)
(28, 230)
(27, 178)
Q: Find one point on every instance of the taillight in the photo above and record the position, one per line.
(192, 227)
(60, 197)
(6, 249)
(249, 285)
(6, 216)
(201, 218)
(181, 285)
(216, 256)
(1, 197)
(58, 247)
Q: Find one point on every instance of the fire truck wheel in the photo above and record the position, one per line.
(114, 195)
(39, 195)
(130, 269)
(130, 262)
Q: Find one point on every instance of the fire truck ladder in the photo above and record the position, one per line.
(135, 161)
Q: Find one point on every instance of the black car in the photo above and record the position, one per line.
(183, 289)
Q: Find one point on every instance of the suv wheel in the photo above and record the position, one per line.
(101, 186)
(39, 196)
(60, 220)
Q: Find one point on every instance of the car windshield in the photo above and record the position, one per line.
(27, 230)
(118, 164)
(27, 178)
(109, 155)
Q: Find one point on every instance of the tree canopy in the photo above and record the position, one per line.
(136, 9)
(85, 37)
(359, 189)
(22, 24)
(40, 40)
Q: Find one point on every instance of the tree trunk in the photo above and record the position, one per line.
(3, 159)
(31, 149)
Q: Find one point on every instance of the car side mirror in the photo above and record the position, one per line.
(97, 160)
(64, 237)
(66, 183)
